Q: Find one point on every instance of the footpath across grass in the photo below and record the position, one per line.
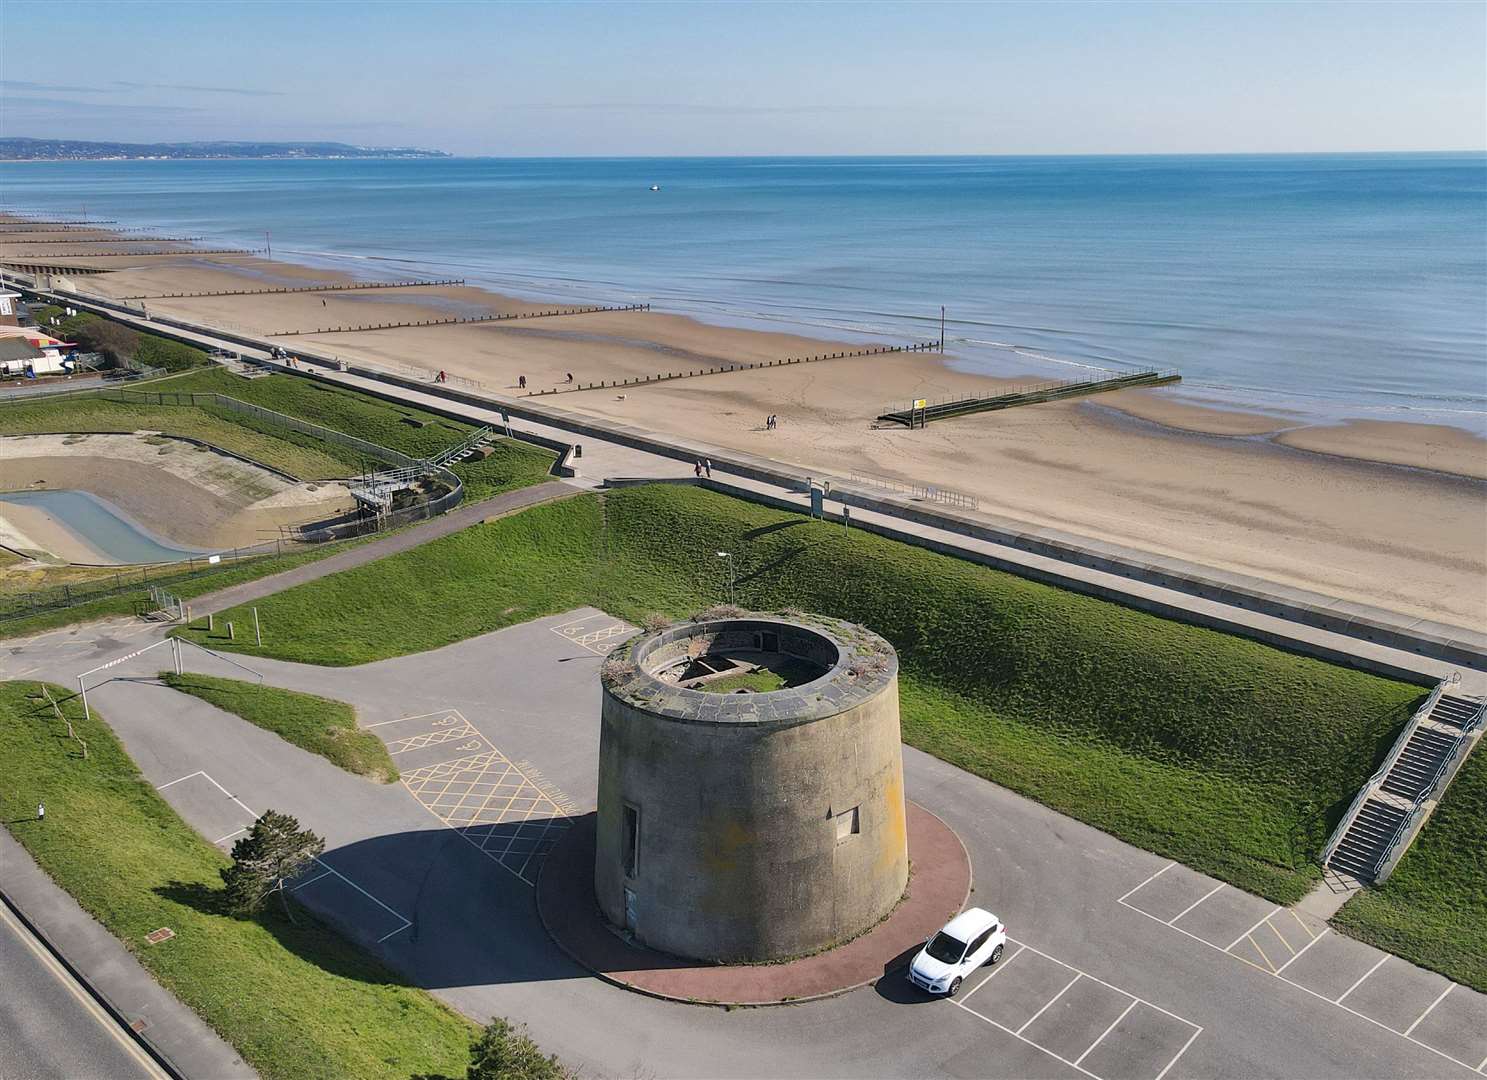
(320, 725)
(1230, 756)
(297, 1001)
(1433, 909)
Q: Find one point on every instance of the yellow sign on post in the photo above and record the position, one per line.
(921, 403)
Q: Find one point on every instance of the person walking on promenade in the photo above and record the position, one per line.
(697, 469)
(707, 467)
(441, 377)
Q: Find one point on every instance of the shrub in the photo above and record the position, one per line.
(504, 1051)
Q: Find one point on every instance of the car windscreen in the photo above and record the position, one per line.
(946, 949)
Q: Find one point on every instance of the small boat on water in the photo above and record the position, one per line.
(655, 187)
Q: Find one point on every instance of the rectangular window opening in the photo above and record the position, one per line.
(846, 824)
(630, 839)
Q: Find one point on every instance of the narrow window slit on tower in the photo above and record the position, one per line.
(846, 824)
(631, 839)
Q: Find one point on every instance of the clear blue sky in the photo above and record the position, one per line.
(755, 78)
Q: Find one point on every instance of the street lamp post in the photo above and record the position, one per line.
(729, 556)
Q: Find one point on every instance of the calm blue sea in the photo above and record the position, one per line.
(1330, 285)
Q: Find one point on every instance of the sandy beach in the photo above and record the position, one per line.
(1388, 514)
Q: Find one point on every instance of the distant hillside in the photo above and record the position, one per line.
(73, 150)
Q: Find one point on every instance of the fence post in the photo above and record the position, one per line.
(257, 633)
(230, 635)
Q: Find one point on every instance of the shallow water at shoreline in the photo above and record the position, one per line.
(99, 526)
(1323, 286)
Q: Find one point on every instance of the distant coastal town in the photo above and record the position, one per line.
(18, 149)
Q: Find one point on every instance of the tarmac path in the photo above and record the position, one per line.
(1125, 966)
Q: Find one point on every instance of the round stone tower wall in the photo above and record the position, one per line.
(751, 826)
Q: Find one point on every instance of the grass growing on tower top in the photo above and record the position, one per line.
(1231, 756)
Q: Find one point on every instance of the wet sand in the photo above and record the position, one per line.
(1337, 509)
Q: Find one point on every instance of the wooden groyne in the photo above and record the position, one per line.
(916, 415)
(105, 240)
(723, 369)
(162, 251)
(342, 287)
(457, 320)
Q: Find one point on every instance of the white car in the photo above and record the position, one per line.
(972, 938)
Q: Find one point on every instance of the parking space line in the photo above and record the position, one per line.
(1147, 882)
(1305, 989)
(1112, 986)
(229, 836)
(1449, 987)
(178, 779)
(301, 884)
(1107, 1031)
(1302, 923)
(1195, 903)
(1251, 938)
(994, 972)
(1365, 975)
(1049, 1002)
(1035, 1046)
(1247, 933)
(1308, 945)
(1179, 1054)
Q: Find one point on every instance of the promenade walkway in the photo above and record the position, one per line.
(1336, 630)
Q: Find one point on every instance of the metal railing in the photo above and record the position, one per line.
(930, 492)
(1383, 770)
(1393, 850)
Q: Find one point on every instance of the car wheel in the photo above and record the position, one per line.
(996, 954)
(954, 986)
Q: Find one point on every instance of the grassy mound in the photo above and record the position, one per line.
(295, 1001)
(320, 725)
(409, 430)
(1230, 756)
(1433, 908)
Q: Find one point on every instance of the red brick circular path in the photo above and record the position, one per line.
(938, 888)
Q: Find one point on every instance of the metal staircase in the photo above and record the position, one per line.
(1387, 813)
(465, 447)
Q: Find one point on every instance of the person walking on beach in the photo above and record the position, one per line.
(521, 382)
(570, 377)
(441, 377)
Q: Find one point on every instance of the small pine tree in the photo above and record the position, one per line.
(275, 850)
(504, 1051)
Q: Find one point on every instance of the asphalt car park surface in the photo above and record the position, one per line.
(1119, 966)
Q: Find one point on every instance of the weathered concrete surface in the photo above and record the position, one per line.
(771, 825)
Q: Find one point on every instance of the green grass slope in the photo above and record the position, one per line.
(296, 1001)
(1433, 909)
(1230, 756)
(320, 725)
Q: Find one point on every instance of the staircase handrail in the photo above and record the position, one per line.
(1383, 770)
(474, 439)
(1447, 763)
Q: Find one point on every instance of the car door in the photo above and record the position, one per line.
(980, 949)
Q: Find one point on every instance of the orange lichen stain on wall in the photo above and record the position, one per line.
(895, 834)
(722, 842)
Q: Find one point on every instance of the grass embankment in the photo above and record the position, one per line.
(295, 1001)
(411, 431)
(1433, 909)
(320, 725)
(1230, 756)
